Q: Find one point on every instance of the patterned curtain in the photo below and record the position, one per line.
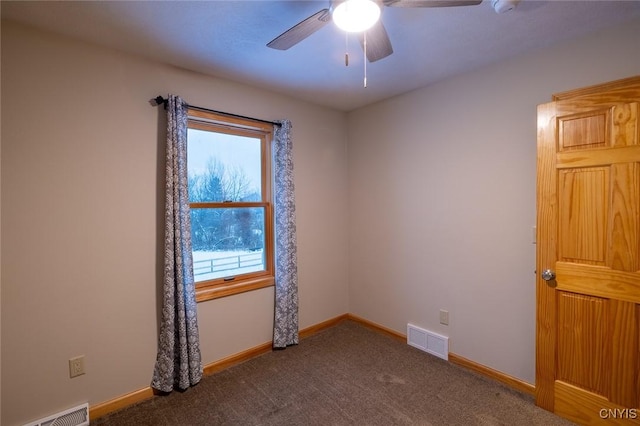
(178, 364)
(285, 331)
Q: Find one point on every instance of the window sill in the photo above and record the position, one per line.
(223, 290)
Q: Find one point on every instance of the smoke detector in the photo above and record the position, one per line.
(502, 6)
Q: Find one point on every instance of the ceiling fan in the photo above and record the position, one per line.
(378, 45)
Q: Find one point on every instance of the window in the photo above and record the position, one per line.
(229, 172)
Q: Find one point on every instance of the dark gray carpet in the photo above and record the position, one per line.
(345, 375)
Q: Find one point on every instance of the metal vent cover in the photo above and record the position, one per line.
(428, 341)
(76, 416)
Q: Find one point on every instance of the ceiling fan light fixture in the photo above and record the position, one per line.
(355, 16)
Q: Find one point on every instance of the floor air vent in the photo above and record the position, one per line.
(76, 416)
(428, 341)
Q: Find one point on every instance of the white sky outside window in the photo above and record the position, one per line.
(231, 150)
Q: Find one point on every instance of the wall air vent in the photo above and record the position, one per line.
(428, 341)
(76, 416)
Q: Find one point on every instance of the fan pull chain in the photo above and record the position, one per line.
(365, 59)
(346, 49)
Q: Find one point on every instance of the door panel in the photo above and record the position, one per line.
(582, 327)
(588, 317)
(583, 131)
(583, 197)
(624, 250)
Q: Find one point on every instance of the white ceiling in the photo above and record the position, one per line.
(228, 39)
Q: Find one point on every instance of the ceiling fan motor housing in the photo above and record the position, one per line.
(502, 6)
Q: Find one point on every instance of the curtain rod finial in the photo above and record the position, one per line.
(158, 100)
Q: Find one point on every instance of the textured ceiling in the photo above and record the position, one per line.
(228, 39)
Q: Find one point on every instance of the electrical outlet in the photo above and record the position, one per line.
(444, 317)
(76, 366)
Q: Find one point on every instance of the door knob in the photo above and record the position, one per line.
(548, 275)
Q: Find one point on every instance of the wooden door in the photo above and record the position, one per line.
(588, 213)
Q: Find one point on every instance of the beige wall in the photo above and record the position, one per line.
(80, 220)
(442, 198)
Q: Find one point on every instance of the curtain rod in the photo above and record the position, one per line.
(160, 100)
